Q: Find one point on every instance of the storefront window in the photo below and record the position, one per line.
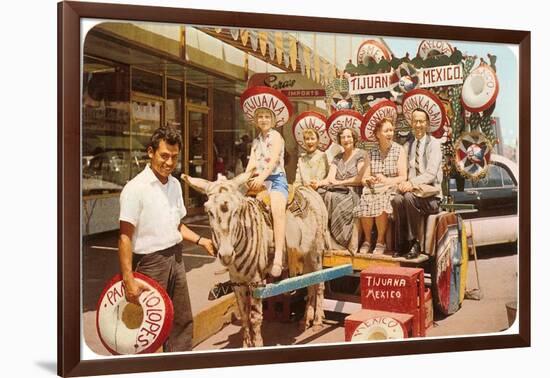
(105, 119)
(147, 82)
(197, 95)
(174, 113)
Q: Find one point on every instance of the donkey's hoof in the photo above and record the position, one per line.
(276, 270)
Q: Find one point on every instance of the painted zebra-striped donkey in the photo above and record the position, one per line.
(242, 236)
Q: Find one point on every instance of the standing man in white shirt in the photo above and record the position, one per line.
(424, 167)
(151, 232)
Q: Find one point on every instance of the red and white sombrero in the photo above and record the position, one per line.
(444, 132)
(258, 97)
(373, 50)
(378, 328)
(427, 101)
(383, 109)
(472, 155)
(480, 89)
(311, 120)
(341, 119)
(126, 328)
(432, 47)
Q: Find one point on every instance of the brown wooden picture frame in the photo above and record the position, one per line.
(70, 362)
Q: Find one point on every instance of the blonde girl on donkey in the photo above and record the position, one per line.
(267, 109)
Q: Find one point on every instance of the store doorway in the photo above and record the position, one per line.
(198, 153)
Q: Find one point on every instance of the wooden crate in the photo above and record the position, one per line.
(395, 289)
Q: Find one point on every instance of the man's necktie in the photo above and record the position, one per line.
(417, 158)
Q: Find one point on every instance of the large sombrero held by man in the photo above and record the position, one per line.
(126, 328)
(258, 97)
(311, 120)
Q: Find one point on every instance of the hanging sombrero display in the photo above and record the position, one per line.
(311, 120)
(341, 119)
(126, 328)
(480, 89)
(383, 109)
(372, 50)
(258, 97)
(472, 155)
(430, 47)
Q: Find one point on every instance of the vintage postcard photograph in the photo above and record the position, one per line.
(370, 182)
(246, 191)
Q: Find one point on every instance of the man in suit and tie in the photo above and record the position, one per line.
(424, 167)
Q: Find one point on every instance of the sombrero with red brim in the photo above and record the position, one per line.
(258, 97)
(311, 120)
(383, 109)
(427, 101)
(126, 328)
(342, 119)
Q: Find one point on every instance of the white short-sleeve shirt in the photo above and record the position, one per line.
(155, 210)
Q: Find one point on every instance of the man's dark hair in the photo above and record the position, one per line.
(167, 133)
(423, 111)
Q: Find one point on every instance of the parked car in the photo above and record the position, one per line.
(495, 198)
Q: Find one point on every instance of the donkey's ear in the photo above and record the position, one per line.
(198, 184)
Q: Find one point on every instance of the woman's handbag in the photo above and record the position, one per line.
(425, 190)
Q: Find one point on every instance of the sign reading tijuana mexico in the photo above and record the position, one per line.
(427, 77)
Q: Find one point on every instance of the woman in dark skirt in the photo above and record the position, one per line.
(342, 187)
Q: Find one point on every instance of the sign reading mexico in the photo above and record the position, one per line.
(426, 77)
(126, 328)
(311, 120)
(258, 97)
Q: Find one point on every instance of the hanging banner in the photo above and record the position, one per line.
(262, 36)
(244, 36)
(235, 33)
(301, 59)
(254, 39)
(307, 61)
(279, 47)
(317, 67)
(271, 44)
(292, 85)
(428, 77)
(293, 52)
(286, 50)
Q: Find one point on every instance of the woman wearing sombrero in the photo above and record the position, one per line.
(268, 108)
(310, 132)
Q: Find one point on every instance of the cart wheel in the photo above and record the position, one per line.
(449, 270)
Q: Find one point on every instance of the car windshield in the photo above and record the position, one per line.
(496, 177)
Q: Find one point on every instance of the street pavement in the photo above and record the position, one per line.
(497, 271)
